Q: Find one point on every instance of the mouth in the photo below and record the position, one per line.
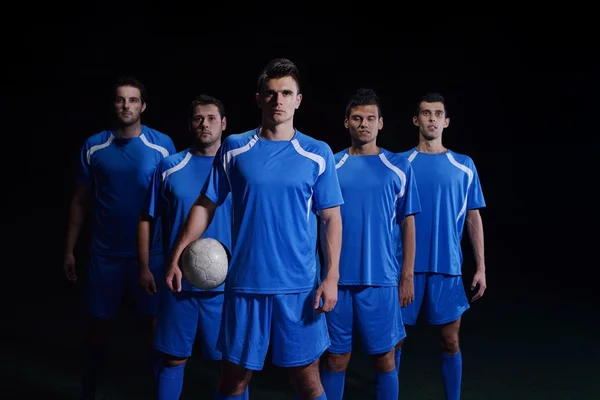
(431, 127)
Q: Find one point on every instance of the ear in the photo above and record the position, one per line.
(223, 123)
(143, 107)
(298, 100)
(415, 121)
(258, 101)
(380, 123)
(346, 123)
(446, 122)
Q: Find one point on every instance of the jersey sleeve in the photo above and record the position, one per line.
(475, 197)
(84, 174)
(154, 205)
(409, 203)
(216, 187)
(326, 191)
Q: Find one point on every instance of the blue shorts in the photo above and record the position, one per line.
(184, 314)
(288, 322)
(443, 297)
(373, 311)
(110, 278)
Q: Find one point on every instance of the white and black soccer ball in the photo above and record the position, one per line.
(204, 263)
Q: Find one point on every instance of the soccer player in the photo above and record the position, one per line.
(174, 189)
(113, 178)
(451, 196)
(275, 175)
(380, 196)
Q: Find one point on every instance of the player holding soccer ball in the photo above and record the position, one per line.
(173, 191)
(380, 197)
(275, 175)
(113, 177)
(451, 197)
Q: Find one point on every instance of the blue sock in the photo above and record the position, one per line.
(323, 396)
(333, 383)
(452, 375)
(243, 396)
(93, 357)
(246, 395)
(386, 385)
(170, 382)
(397, 355)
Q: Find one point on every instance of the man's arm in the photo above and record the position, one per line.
(144, 233)
(331, 240)
(77, 213)
(409, 246)
(475, 230)
(196, 223)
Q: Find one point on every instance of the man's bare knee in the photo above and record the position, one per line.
(306, 381)
(449, 337)
(173, 361)
(384, 362)
(337, 362)
(234, 379)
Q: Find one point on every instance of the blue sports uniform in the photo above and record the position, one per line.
(272, 280)
(175, 187)
(118, 172)
(379, 192)
(448, 186)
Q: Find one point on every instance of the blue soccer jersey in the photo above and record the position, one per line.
(175, 187)
(118, 170)
(274, 185)
(448, 186)
(379, 192)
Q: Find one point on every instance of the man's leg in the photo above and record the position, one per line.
(340, 324)
(410, 314)
(176, 327)
(446, 303)
(300, 337)
(104, 290)
(147, 308)
(243, 341)
(379, 323)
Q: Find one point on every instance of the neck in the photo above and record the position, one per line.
(206, 150)
(433, 146)
(129, 131)
(364, 149)
(283, 131)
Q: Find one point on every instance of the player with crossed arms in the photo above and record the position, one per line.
(451, 197)
(275, 175)
(173, 191)
(114, 173)
(380, 197)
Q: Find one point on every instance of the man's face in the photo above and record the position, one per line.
(279, 100)
(206, 124)
(431, 120)
(364, 123)
(128, 105)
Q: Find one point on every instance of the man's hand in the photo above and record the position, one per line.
(478, 280)
(147, 282)
(173, 278)
(328, 291)
(406, 291)
(69, 268)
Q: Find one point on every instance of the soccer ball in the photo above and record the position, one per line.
(204, 263)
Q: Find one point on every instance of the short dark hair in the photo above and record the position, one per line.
(278, 68)
(206, 100)
(364, 97)
(432, 98)
(133, 82)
